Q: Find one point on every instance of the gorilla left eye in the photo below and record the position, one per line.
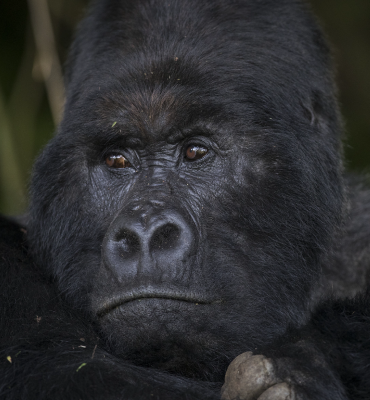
(117, 161)
(195, 152)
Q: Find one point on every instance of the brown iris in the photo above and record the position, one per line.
(195, 152)
(117, 161)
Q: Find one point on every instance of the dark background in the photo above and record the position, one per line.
(30, 90)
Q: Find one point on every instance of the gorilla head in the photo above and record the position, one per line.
(195, 179)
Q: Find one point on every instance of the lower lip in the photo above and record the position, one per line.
(154, 300)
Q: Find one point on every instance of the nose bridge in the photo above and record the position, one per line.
(155, 182)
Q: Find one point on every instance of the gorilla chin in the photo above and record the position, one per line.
(166, 333)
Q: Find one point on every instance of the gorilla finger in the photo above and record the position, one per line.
(248, 377)
(281, 391)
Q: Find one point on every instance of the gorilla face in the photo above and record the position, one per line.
(194, 181)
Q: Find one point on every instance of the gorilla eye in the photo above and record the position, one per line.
(195, 152)
(117, 161)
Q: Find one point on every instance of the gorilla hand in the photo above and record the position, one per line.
(253, 377)
(286, 371)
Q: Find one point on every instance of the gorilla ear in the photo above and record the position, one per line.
(318, 111)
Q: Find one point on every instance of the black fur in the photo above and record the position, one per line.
(170, 268)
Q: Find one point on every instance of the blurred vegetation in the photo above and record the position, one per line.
(34, 40)
(347, 25)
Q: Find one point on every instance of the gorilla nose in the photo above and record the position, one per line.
(140, 240)
(165, 236)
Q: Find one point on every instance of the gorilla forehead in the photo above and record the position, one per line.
(154, 111)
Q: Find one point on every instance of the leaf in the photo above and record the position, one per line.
(81, 366)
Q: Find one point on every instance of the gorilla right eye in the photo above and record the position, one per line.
(117, 161)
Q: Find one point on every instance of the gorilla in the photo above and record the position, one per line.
(192, 208)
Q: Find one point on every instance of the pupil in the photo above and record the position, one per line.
(191, 153)
(195, 152)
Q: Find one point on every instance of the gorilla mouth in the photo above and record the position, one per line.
(116, 302)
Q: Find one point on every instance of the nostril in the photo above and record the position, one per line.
(128, 242)
(166, 237)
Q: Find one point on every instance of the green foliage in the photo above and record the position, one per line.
(26, 121)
